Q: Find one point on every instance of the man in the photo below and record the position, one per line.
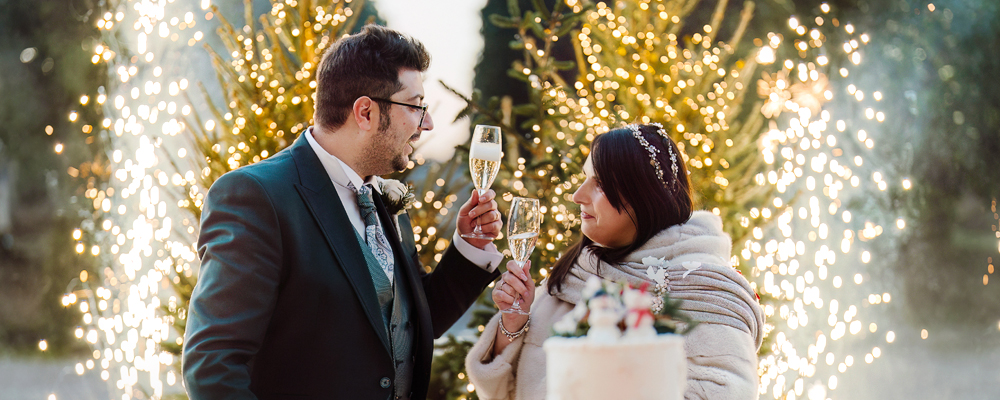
(306, 290)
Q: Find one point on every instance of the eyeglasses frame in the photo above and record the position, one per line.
(423, 108)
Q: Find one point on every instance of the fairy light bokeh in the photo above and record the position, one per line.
(808, 255)
(996, 231)
(816, 260)
(145, 240)
(142, 237)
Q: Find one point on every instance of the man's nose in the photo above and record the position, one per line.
(428, 123)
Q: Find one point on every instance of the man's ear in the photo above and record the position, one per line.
(366, 113)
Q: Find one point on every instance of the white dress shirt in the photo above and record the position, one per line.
(341, 175)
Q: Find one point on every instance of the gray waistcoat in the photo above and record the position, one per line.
(394, 301)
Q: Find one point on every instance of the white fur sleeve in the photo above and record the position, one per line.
(493, 378)
(722, 364)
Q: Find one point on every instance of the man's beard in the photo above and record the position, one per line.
(379, 151)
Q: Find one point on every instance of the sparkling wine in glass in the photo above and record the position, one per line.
(484, 163)
(523, 224)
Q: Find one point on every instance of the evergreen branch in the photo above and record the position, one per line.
(745, 16)
(717, 15)
(484, 112)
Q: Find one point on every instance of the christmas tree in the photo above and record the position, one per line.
(586, 68)
(628, 63)
(694, 94)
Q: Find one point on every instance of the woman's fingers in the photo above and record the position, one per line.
(525, 274)
(522, 274)
(503, 300)
(513, 282)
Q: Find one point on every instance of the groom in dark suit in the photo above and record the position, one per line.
(309, 288)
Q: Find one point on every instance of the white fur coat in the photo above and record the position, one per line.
(721, 350)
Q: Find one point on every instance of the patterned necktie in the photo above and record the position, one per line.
(374, 235)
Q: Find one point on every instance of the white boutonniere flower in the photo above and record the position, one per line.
(397, 196)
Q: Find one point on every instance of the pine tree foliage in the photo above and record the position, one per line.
(268, 82)
(647, 71)
(630, 65)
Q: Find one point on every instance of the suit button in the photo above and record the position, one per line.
(385, 383)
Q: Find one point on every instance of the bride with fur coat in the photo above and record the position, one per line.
(635, 204)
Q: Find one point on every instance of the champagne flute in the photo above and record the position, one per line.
(484, 163)
(523, 224)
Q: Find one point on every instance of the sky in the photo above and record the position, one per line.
(453, 38)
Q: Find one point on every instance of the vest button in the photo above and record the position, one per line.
(385, 383)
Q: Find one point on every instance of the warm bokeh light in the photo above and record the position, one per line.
(803, 249)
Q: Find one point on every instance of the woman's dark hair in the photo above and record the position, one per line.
(364, 64)
(623, 171)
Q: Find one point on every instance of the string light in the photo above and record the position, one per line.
(147, 238)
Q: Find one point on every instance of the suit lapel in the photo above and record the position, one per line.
(321, 197)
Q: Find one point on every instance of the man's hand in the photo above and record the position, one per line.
(481, 210)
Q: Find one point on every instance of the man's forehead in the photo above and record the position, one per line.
(413, 84)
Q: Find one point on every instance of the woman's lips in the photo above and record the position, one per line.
(584, 215)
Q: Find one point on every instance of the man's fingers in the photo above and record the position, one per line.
(486, 197)
(485, 212)
(492, 229)
(468, 207)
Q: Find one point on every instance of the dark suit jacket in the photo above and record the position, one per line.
(285, 306)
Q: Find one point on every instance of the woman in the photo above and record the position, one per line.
(635, 203)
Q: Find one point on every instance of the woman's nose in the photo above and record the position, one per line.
(579, 197)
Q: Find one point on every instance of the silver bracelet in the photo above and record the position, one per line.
(514, 335)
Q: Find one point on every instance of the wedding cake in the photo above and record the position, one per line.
(607, 364)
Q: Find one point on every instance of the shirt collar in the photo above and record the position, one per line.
(339, 172)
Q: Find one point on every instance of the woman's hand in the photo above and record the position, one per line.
(515, 282)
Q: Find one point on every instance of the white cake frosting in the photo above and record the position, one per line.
(631, 368)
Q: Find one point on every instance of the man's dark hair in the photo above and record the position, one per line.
(623, 172)
(364, 64)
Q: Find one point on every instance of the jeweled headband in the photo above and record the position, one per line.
(653, 151)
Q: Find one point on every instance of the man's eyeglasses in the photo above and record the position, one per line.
(423, 108)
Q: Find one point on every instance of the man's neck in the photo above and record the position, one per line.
(342, 143)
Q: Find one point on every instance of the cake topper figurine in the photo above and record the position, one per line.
(605, 312)
(607, 309)
(639, 318)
